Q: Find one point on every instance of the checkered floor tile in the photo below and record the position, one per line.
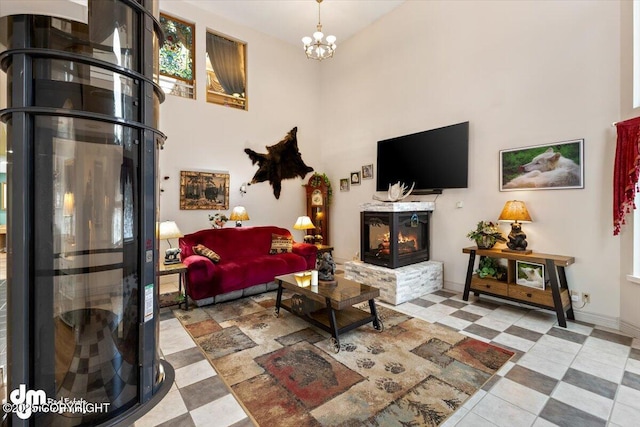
(582, 375)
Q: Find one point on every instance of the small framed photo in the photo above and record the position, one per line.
(530, 274)
(367, 172)
(554, 166)
(355, 178)
(344, 184)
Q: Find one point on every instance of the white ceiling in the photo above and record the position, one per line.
(290, 20)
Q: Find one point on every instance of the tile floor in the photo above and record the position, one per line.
(579, 376)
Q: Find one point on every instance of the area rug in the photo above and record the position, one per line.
(285, 373)
(170, 298)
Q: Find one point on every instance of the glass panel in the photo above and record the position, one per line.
(3, 249)
(177, 57)
(412, 233)
(226, 71)
(88, 264)
(76, 86)
(109, 36)
(317, 217)
(378, 232)
(6, 33)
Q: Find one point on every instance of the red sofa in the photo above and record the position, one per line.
(245, 268)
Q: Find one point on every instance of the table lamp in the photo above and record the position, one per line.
(169, 230)
(304, 223)
(515, 211)
(239, 214)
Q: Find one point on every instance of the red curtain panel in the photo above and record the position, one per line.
(626, 170)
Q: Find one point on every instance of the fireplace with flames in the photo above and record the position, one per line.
(394, 239)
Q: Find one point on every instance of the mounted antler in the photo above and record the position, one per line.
(396, 192)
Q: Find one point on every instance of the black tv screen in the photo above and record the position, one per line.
(434, 159)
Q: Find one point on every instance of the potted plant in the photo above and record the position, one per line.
(491, 267)
(486, 235)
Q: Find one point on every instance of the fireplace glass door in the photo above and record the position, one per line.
(395, 239)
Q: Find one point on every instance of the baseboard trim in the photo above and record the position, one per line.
(630, 329)
(582, 316)
(455, 287)
(597, 319)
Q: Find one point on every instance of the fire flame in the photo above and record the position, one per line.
(401, 238)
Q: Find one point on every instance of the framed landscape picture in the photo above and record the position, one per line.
(543, 167)
(204, 190)
(530, 274)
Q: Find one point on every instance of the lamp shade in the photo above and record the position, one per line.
(68, 204)
(239, 213)
(169, 230)
(515, 210)
(303, 223)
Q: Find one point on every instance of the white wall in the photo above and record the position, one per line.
(629, 291)
(282, 93)
(523, 73)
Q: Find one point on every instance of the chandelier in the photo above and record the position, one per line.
(315, 47)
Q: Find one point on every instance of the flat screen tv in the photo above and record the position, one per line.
(434, 160)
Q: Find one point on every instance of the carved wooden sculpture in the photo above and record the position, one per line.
(282, 161)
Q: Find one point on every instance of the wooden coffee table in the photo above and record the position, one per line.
(329, 306)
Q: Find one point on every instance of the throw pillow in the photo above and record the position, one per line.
(281, 244)
(200, 249)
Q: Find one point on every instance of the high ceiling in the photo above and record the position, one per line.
(290, 20)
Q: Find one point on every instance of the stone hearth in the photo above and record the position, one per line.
(397, 285)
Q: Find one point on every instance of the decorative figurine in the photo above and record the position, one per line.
(396, 192)
(326, 267)
(517, 238)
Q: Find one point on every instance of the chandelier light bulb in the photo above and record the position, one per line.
(306, 40)
(331, 39)
(318, 35)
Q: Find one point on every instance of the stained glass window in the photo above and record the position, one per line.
(177, 57)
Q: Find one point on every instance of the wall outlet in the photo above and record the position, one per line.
(586, 298)
(575, 296)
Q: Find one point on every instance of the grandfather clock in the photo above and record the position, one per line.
(318, 207)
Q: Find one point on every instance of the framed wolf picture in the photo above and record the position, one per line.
(204, 190)
(530, 274)
(543, 167)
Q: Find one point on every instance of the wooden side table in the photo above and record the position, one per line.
(555, 297)
(181, 270)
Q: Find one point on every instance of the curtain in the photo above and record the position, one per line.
(626, 170)
(225, 58)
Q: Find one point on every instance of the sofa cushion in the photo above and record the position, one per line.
(263, 269)
(281, 244)
(206, 252)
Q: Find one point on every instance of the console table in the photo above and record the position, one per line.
(555, 296)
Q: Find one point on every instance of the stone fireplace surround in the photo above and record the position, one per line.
(401, 284)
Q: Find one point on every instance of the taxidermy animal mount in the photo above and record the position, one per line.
(282, 161)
